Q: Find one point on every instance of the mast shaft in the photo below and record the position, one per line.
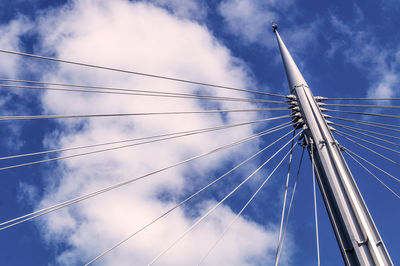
(356, 233)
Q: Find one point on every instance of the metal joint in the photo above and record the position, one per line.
(320, 98)
(361, 243)
(291, 97)
(322, 143)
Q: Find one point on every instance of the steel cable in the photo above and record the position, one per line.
(52, 208)
(315, 205)
(111, 149)
(370, 142)
(368, 123)
(278, 253)
(329, 209)
(218, 204)
(374, 165)
(203, 130)
(363, 106)
(361, 113)
(355, 129)
(361, 99)
(371, 150)
(366, 169)
(184, 201)
(244, 207)
(31, 117)
(285, 198)
(133, 92)
(137, 73)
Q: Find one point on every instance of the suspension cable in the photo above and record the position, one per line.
(370, 142)
(361, 113)
(278, 251)
(203, 130)
(360, 99)
(183, 202)
(244, 207)
(218, 204)
(368, 123)
(315, 204)
(374, 165)
(371, 150)
(366, 169)
(120, 147)
(133, 92)
(137, 73)
(363, 105)
(52, 208)
(355, 129)
(285, 196)
(328, 207)
(30, 117)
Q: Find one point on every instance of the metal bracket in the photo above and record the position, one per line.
(360, 243)
(322, 143)
(336, 143)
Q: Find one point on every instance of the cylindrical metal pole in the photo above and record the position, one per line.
(357, 235)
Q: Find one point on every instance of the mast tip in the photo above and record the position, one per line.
(274, 26)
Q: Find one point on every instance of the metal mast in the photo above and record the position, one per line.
(356, 233)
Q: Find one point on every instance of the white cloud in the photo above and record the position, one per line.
(249, 19)
(10, 40)
(141, 37)
(11, 140)
(389, 6)
(191, 9)
(10, 65)
(365, 52)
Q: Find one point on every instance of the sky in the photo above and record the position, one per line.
(343, 49)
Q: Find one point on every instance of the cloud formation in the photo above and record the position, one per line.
(251, 21)
(190, 9)
(363, 50)
(10, 40)
(145, 37)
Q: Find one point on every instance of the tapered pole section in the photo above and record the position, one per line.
(356, 233)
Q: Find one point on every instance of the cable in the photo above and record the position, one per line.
(117, 91)
(329, 209)
(375, 152)
(375, 166)
(52, 208)
(278, 252)
(111, 149)
(243, 208)
(360, 99)
(27, 117)
(137, 73)
(363, 106)
(143, 138)
(315, 206)
(182, 202)
(355, 129)
(285, 196)
(219, 203)
(361, 113)
(372, 124)
(370, 142)
(366, 169)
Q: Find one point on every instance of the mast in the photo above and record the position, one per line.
(356, 233)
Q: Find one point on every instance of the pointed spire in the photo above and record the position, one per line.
(293, 74)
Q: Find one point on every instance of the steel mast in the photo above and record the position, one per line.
(356, 233)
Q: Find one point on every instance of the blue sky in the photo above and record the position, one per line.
(344, 49)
